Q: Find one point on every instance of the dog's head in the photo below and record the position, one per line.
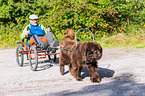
(92, 51)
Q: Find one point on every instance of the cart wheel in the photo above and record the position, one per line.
(52, 58)
(19, 56)
(33, 58)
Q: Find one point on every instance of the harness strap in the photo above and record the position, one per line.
(66, 49)
(32, 35)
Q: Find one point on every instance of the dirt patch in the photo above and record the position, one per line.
(122, 72)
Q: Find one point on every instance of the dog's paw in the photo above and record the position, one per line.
(79, 79)
(95, 80)
(61, 72)
(71, 74)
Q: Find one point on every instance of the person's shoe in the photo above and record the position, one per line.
(54, 43)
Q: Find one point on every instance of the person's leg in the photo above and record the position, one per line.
(52, 42)
(49, 37)
(38, 39)
(32, 41)
(40, 43)
(44, 39)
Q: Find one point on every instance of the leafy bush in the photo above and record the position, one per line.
(102, 17)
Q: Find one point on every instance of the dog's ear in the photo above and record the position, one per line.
(99, 54)
(99, 51)
(98, 48)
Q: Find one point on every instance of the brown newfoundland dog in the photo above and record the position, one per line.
(80, 56)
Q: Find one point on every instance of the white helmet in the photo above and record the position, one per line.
(33, 16)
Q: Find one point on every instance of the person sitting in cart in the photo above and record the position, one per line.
(43, 36)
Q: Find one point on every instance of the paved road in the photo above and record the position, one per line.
(122, 73)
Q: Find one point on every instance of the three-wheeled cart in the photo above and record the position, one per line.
(34, 53)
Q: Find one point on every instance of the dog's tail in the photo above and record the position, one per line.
(70, 33)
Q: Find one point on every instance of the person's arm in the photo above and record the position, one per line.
(43, 28)
(25, 32)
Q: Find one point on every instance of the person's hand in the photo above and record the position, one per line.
(27, 32)
(48, 29)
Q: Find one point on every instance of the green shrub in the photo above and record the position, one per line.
(102, 17)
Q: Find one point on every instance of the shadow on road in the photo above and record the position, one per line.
(123, 85)
(103, 72)
(43, 65)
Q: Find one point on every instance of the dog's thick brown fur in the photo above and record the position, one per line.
(68, 42)
(86, 53)
(69, 37)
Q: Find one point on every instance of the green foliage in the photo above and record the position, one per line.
(102, 17)
(135, 39)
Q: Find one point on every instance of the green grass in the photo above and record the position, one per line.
(141, 46)
(136, 40)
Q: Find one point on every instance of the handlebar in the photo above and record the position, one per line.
(82, 29)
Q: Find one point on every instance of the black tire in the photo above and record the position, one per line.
(33, 61)
(19, 56)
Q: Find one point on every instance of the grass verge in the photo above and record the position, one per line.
(136, 40)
